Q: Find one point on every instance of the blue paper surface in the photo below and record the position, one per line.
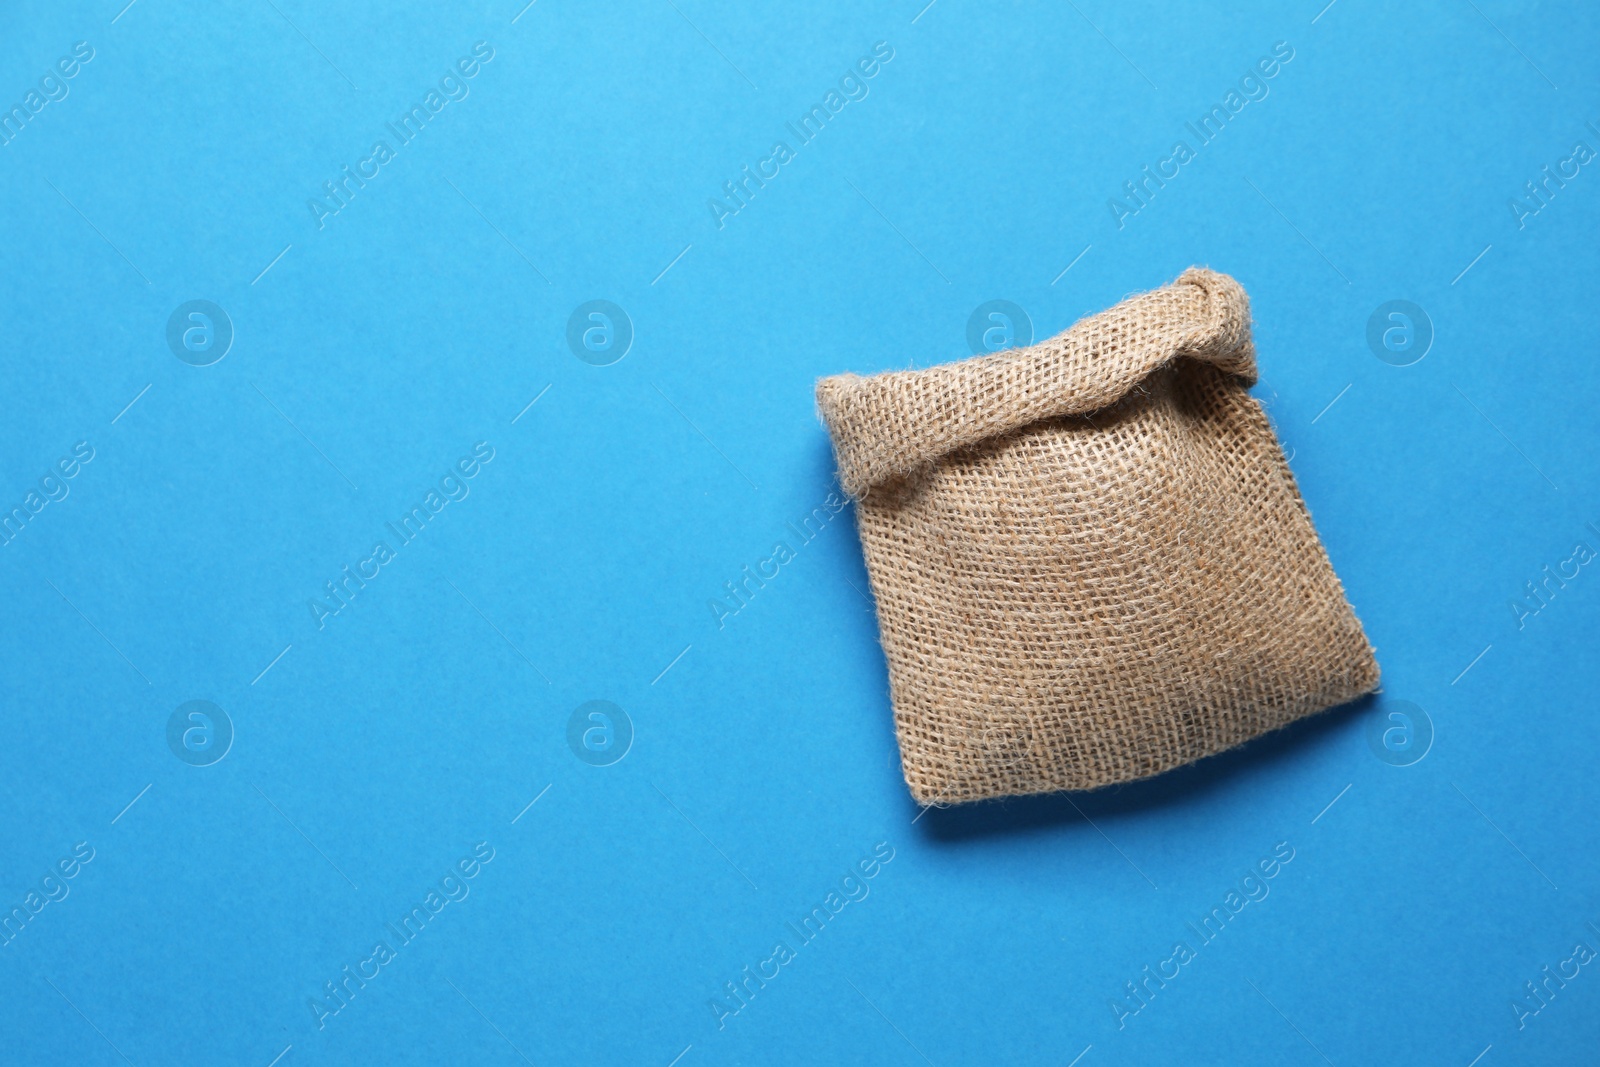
(393, 393)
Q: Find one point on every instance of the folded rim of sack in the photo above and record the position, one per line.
(1090, 559)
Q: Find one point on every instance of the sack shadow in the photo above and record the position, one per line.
(1182, 785)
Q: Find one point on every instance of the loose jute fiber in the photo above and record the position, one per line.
(1090, 558)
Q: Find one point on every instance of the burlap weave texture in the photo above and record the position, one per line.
(1090, 558)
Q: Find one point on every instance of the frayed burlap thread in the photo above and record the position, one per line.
(1090, 559)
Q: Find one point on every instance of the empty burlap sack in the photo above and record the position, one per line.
(1090, 558)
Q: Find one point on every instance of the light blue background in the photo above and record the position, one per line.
(423, 318)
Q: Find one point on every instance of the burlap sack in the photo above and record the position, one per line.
(1090, 558)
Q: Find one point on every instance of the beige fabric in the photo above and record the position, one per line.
(1090, 558)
